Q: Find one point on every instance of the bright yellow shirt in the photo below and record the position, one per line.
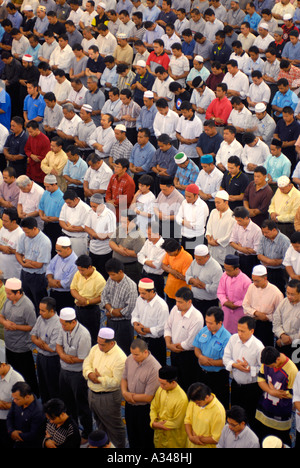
(169, 406)
(206, 422)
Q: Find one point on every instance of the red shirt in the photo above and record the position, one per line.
(38, 146)
(219, 109)
(162, 60)
(125, 186)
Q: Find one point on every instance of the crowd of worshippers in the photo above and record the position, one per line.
(150, 223)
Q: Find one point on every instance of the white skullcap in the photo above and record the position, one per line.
(272, 442)
(287, 17)
(121, 36)
(67, 313)
(146, 283)
(106, 333)
(260, 107)
(28, 8)
(87, 108)
(149, 94)
(283, 181)
(199, 58)
(141, 63)
(259, 270)
(50, 179)
(14, 284)
(264, 26)
(201, 250)
(63, 241)
(27, 58)
(102, 5)
(222, 194)
(120, 127)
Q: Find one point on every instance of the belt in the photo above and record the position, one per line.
(102, 393)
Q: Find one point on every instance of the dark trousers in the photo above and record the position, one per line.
(133, 270)
(187, 368)
(157, 347)
(203, 305)
(159, 282)
(247, 263)
(53, 231)
(24, 364)
(124, 333)
(278, 277)
(5, 440)
(99, 263)
(63, 299)
(35, 287)
(74, 393)
(218, 382)
(247, 397)
(264, 332)
(263, 431)
(89, 317)
(48, 370)
(139, 432)
(189, 244)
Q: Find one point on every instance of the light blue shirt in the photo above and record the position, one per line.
(34, 52)
(287, 99)
(109, 76)
(142, 157)
(146, 118)
(253, 20)
(63, 269)
(51, 203)
(37, 249)
(278, 167)
(212, 345)
(151, 14)
(76, 171)
(291, 51)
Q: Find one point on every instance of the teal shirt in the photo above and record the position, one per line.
(212, 346)
(278, 167)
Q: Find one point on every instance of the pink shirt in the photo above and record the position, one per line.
(234, 290)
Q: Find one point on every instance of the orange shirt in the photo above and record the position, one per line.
(181, 264)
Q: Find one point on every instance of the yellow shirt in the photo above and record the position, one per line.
(88, 288)
(206, 422)
(169, 406)
(180, 263)
(55, 161)
(286, 205)
(110, 365)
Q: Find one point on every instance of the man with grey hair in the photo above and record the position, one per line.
(68, 126)
(103, 138)
(29, 199)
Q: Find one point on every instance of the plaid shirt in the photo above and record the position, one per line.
(187, 175)
(120, 295)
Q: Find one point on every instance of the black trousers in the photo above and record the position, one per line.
(247, 397)
(48, 370)
(99, 263)
(264, 332)
(187, 368)
(278, 277)
(74, 392)
(247, 263)
(159, 282)
(63, 299)
(53, 231)
(157, 347)
(203, 305)
(218, 382)
(140, 434)
(124, 333)
(24, 364)
(89, 317)
(35, 287)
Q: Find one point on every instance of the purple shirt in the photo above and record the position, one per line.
(10, 192)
